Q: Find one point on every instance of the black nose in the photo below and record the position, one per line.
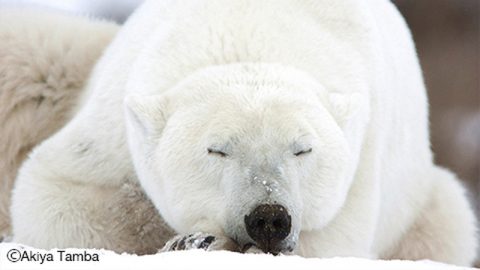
(268, 225)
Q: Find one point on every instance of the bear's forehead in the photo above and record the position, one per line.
(259, 116)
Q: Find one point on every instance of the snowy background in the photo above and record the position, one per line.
(199, 259)
(117, 10)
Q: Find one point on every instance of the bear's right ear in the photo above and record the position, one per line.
(146, 114)
(345, 106)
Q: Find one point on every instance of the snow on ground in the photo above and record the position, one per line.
(194, 259)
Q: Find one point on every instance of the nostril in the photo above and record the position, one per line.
(277, 223)
(260, 223)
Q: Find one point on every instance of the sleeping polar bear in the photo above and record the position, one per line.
(291, 126)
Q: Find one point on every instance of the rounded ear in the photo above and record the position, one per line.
(146, 114)
(345, 106)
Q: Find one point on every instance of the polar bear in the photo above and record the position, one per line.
(290, 126)
(45, 60)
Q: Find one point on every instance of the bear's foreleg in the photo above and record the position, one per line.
(445, 229)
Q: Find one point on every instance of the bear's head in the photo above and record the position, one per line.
(255, 152)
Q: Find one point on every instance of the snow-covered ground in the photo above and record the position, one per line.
(195, 259)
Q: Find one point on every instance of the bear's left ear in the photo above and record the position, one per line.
(146, 114)
(345, 106)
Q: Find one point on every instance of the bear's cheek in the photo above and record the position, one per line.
(197, 206)
(323, 191)
(192, 213)
(322, 199)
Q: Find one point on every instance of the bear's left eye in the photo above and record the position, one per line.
(302, 152)
(216, 152)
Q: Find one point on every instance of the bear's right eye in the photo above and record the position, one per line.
(216, 152)
(302, 152)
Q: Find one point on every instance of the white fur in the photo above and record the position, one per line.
(45, 61)
(258, 80)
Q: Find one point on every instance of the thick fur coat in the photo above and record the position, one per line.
(45, 61)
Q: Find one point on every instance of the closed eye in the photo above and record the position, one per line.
(302, 152)
(216, 152)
